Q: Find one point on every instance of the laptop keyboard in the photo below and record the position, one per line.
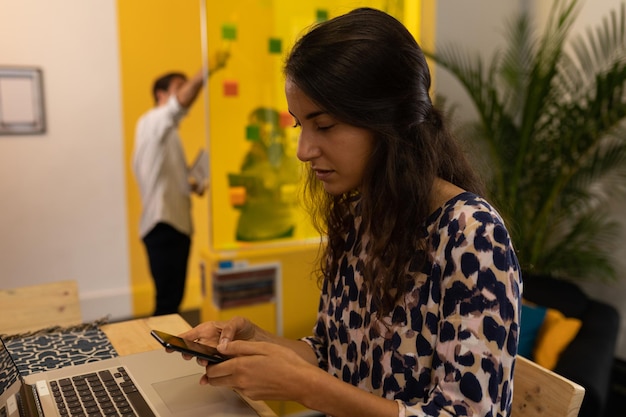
(99, 394)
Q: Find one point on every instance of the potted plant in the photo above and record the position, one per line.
(551, 123)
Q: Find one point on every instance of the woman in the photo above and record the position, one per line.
(420, 303)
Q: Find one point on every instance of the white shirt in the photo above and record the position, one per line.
(161, 169)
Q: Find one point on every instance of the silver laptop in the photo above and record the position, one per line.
(148, 384)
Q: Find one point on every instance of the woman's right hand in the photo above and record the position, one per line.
(214, 333)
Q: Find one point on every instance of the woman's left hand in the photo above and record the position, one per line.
(260, 370)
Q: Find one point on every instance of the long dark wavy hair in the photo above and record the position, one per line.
(366, 69)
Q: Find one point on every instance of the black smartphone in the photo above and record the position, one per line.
(188, 346)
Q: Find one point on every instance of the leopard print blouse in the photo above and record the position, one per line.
(448, 347)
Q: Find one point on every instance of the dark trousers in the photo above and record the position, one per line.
(168, 253)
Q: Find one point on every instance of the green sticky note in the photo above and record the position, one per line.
(276, 46)
(253, 132)
(321, 15)
(229, 32)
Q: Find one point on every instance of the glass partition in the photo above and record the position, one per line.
(255, 175)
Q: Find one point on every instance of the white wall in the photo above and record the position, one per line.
(62, 196)
(479, 24)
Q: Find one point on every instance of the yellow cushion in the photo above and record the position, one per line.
(556, 333)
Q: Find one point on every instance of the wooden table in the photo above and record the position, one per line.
(133, 336)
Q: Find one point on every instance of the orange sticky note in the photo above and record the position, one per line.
(286, 119)
(231, 88)
(237, 196)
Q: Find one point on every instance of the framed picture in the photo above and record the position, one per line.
(21, 101)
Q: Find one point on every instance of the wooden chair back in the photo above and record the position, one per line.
(539, 392)
(35, 307)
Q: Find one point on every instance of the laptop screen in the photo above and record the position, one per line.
(9, 373)
(10, 383)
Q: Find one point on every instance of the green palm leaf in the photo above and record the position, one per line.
(551, 117)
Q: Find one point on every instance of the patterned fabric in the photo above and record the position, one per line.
(8, 373)
(52, 350)
(448, 347)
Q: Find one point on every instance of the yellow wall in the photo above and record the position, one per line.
(157, 36)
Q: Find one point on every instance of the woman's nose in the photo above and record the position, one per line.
(307, 150)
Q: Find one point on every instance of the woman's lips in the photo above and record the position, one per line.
(322, 174)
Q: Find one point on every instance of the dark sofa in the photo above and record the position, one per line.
(588, 359)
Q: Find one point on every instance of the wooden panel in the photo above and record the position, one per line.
(36, 307)
(539, 392)
(133, 336)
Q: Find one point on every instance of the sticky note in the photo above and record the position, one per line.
(253, 132)
(286, 119)
(275, 46)
(237, 196)
(231, 88)
(321, 15)
(229, 32)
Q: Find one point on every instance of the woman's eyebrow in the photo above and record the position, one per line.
(314, 114)
(309, 116)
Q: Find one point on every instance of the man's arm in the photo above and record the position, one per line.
(188, 93)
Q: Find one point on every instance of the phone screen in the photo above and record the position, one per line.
(188, 346)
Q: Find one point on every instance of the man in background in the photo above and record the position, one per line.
(164, 182)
